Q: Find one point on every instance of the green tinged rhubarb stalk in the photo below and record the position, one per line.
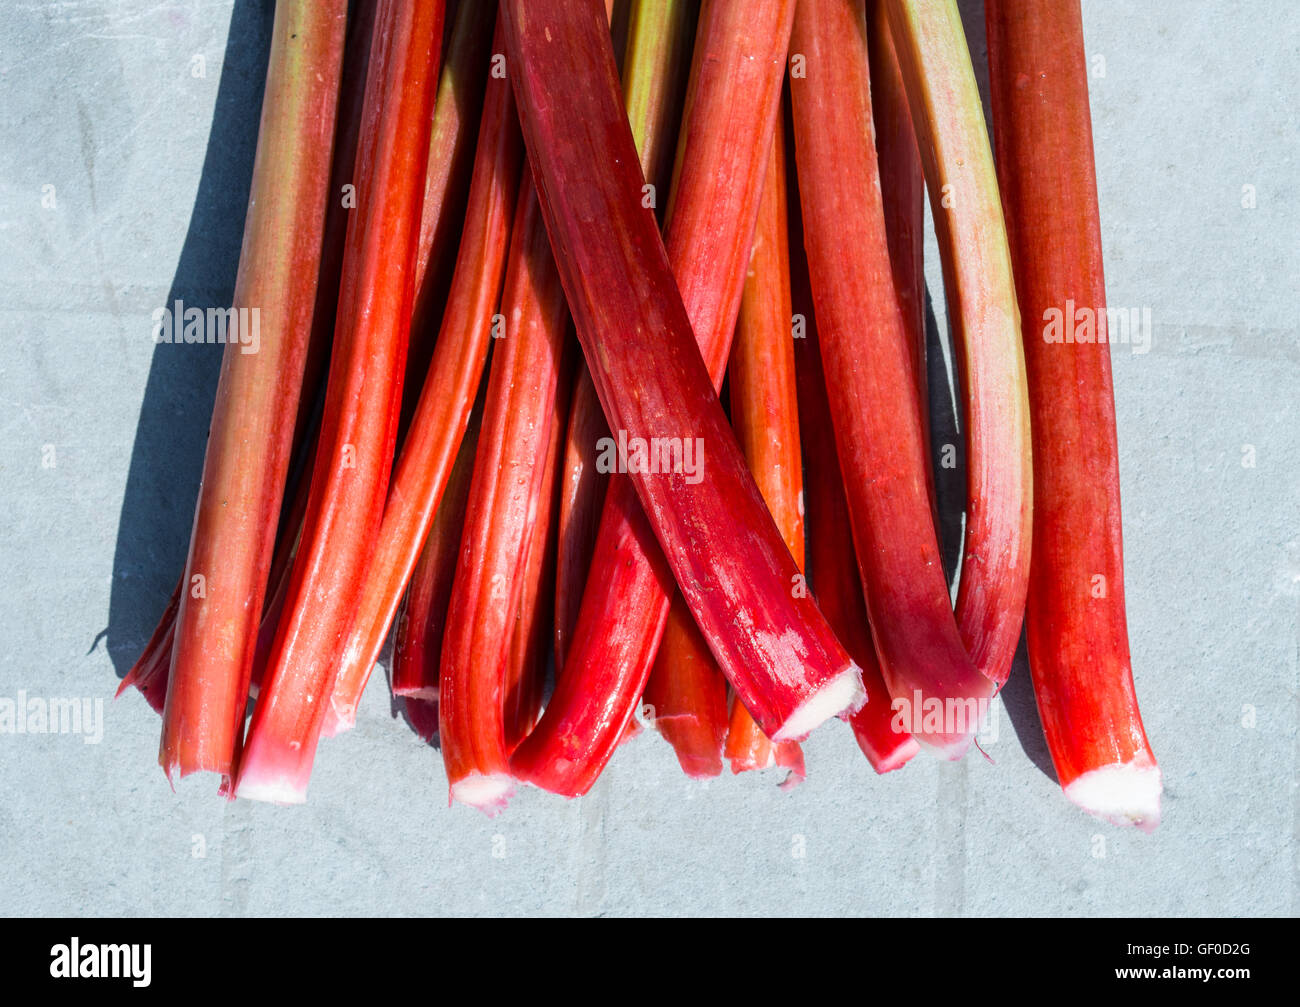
(981, 295)
(359, 425)
(250, 441)
(1078, 637)
(726, 554)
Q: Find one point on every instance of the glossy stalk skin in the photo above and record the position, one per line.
(359, 423)
(867, 357)
(1078, 643)
(422, 619)
(949, 119)
(510, 474)
(655, 74)
(902, 190)
(777, 650)
(149, 674)
(530, 640)
(834, 573)
(251, 436)
(452, 142)
(440, 419)
(686, 696)
(731, 108)
(765, 416)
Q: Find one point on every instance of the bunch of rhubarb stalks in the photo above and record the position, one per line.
(725, 195)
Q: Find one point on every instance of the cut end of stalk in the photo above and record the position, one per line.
(949, 747)
(1122, 794)
(842, 694)
(272, 787)
(488, 792)
(896, 759)
(429, 693)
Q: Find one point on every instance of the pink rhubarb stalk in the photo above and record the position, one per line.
(1078, 635)
(251, 436)
(721, 544)
(359, 424)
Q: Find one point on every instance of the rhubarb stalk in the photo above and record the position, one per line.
(720, 543)
(1077, 631)
(979, 289)
(359, 424)
(765, 416)
(510, 473)
(251, 436)
(654, 85)
(422, 619)
(731, 110)
(429, 451)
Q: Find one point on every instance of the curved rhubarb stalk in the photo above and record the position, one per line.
(831, 564)
(422, 619)
(870, 369)
(359, 424)
(452, 141)
(530, 641)
(902, 190)
(654, 85)
(429, 451)
(251, 436)
(731, 110)
(979, 288)
(1078, 634)
(510, 473)
(720, 542)
(765, 416)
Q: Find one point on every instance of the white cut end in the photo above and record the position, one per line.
(897, 759)
(488, 793)
(1125, 794)
(273, 790)
(843, 692)
(949, 747)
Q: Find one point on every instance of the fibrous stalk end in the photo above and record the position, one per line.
(1122, 794)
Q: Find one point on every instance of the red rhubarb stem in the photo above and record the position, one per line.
(831, 563)
(980, 291)
(1077, 630)
(359, 424)
(251, 436)
(731, 109)
(655, 74)
(510, 473)
(777, 650)
(429, 451)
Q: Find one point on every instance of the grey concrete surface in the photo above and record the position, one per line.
(126, 136)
